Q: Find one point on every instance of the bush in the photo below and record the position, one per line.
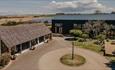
(97, 42)
(76, 32)
(107, 40)
(81, 40)
(85, 36)
(101, 37)
(4, 60)
(76, 38)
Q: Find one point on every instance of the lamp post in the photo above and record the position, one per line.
(72, 50)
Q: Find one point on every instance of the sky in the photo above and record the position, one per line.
(20, 7)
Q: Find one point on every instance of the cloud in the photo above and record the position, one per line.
(78, 6)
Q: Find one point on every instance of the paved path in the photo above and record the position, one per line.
(32, 60)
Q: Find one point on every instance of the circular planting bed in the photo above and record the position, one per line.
(76, 61)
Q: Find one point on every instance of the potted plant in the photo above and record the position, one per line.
(13, 56)
(32, 48)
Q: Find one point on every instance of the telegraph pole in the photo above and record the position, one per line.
(72, 50)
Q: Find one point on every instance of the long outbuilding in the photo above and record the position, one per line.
(21, 37)
(64, 23)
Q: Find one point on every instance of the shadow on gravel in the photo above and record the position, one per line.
(70, 39)
(110, 55)
(111, 65)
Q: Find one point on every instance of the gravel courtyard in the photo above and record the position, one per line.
(45, 57)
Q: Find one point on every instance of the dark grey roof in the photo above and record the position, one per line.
(85, 17)
(14, 35)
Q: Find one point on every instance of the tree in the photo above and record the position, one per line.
(113, 12)
(10, 23)
(76, 32)
(94, 28)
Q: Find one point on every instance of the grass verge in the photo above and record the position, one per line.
(88, 45)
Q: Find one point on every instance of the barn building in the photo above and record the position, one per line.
(21, 37)
(64, 23)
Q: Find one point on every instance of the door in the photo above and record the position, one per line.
(18, 48)
(25, 45)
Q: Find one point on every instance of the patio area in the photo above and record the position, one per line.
(110, 47)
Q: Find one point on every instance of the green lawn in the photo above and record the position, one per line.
(88, 45)
(77, 61)
(93, 47)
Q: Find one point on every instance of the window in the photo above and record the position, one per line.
(77, 26)
(58, 24)
(41, 39)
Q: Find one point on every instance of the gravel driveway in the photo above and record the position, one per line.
(31, 60)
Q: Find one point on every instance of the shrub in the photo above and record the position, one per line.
(81, 40)
(101, 37)
(5, 58)
(76, 38)
(97, 42)
(76, 32)
(85, 36)
(107, 40)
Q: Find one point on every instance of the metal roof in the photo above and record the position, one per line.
(85, 17)
(14, 35)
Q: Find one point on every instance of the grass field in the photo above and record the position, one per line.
(88, 45)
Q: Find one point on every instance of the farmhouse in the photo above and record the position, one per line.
(63, 23)
(21, 37)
